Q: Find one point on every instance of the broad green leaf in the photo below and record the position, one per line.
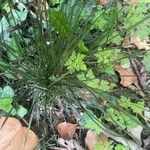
(21, 111)
(17, 48)
(59, 21)
(5, 104)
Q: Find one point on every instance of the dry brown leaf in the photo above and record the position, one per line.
(25, 139)
(15, 137)
(66, 130)
(134, 41)
(102, 2)
(139, 44)
(103, 137)
(126, 42)
(127, 76)
(90, 140)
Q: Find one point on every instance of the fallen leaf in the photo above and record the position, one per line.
(126, 42)
(90, 140)
(138, 43)
(66, 130)
(102, 2)
(103, 137)
(134, 41)
(127, 76)
(15, 137)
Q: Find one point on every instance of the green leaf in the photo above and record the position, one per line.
(17, 16)
(90, 121)
(125, 102)
(17, 48)
(125, 63)
(59, 21)
(138, 107)
(3, 24)
(82, 46)
(7, 92)
(54, 2)
(5, 104)
(147, 61)
(21, 111)
(103, 146)
(75, 62)
(121, 147)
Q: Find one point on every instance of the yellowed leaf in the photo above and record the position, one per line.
(15, 137)
(127, 76)
(66, 130)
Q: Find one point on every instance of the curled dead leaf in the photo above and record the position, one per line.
(15, 137)
(134, 41)
(127, 76)
(66, 130)
(138, 43)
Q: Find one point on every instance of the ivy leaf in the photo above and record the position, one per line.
(17, 16)
(7, 92)
(5, 104)
(3, 24)
(21, 111)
